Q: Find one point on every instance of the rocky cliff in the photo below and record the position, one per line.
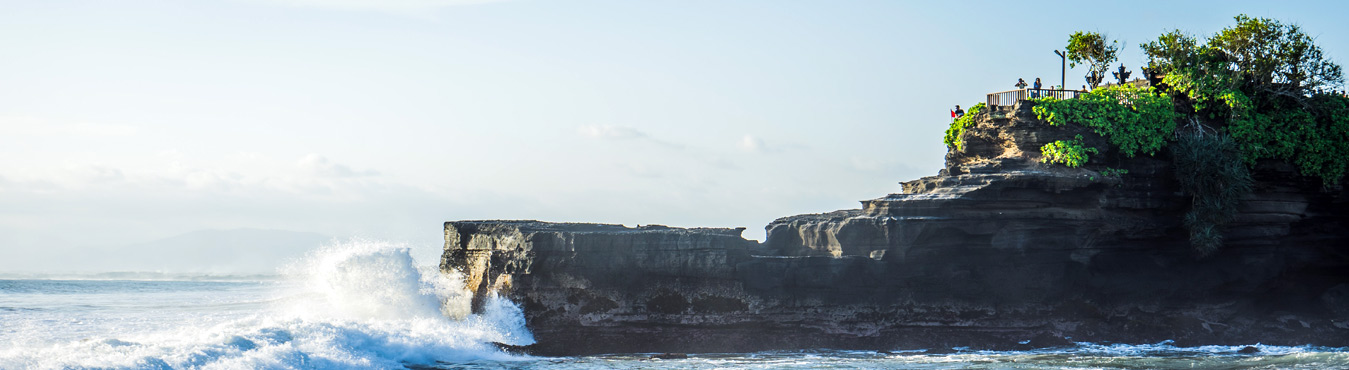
(996, 251)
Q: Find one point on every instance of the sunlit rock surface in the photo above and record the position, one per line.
(998, 251)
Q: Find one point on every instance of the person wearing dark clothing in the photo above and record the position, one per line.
(959, 112)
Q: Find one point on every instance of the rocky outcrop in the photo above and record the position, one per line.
(554, 262)
(997, 251)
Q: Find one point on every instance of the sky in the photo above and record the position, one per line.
(131, 121)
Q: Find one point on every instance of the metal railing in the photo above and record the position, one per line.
(1010, 97)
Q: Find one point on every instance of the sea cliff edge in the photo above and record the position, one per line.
(998, 251)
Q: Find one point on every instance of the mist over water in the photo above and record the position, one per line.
(358, 304)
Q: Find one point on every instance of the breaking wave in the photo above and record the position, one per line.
(354, 305)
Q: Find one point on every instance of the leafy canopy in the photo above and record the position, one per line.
(1071, 153)
(1261, 81)
(1134, 120)
(1093, 49)
(1252, 91)
(1269, 57)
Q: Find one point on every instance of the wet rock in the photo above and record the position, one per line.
(940, 351)
(519, 350)
(1046, 340)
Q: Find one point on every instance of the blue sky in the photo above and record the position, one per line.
(128, 121)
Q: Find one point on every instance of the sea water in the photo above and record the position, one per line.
(362, 305)
(355, 305)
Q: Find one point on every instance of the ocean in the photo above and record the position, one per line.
(370, 305)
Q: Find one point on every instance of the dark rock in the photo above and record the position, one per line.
(1336, 300)
(940, 351)
(670, 356)
(1248, 350)
(519, 350)
(998, 249)
(1046, 340)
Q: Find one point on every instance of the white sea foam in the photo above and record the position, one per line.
(359, 304)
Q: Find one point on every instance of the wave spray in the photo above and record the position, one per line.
(353, 305)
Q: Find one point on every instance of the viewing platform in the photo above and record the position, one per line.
(1010, 97)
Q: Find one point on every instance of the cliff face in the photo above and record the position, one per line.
(997, 251)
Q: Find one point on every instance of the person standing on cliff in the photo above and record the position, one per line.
(958, 112)
(1037, 87)
(1020, 84)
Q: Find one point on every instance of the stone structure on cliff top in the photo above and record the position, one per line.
(998, 251)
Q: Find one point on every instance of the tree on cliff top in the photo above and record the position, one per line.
(1271, 59)
(1249, 92)
(1093, 49)
(1262, 82)
(1264, 60)
(1253, 91)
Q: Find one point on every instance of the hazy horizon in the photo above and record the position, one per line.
(137, 121)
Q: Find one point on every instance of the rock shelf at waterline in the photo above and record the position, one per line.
(998, 251)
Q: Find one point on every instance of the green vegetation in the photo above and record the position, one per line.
(958, 127)
(1071, 153)
(1249, 92)
(1210, 168)
(1315, 139)
(1114, 172)
(1091, 48)
(1260, 82)
(1252, 91)
(1135, 120)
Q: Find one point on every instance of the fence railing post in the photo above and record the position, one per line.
(1010, 97)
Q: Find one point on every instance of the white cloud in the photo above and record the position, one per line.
(212, 179)
(321, 166)
(643, 170)
(750, 143)
(606, 132)
(755, 144)
(250, 156)
(32, 126)
(610, 132)
(723, 163)
(880, 165)
(98, 174)
(312, 175)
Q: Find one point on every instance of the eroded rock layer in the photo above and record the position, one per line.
(997, 251)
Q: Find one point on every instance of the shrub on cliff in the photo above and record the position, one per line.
(1071, 153)
(1314, 138)
(1261, 81)
(958, 127)
(1134, 120)
(1252, 91)
(1210, 169)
